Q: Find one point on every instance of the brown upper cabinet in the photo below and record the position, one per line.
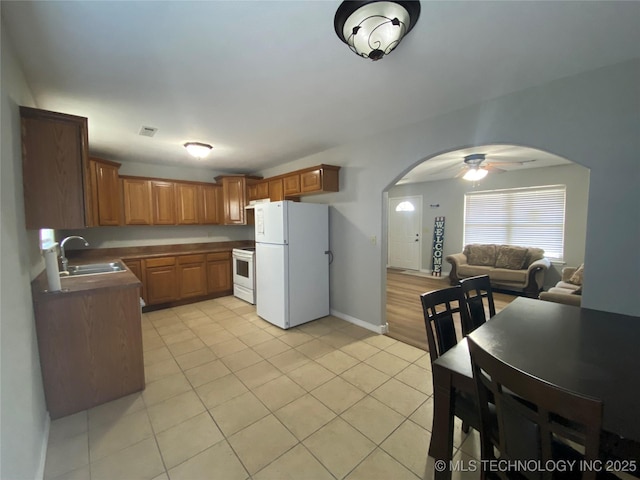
(276, 190)
(55, 170)
(163, 202)
(291, 184)
(235, 198)
(188, 202)
(137, 201)
(259, 190)
(212, 213)
(322, 178)
(105, 191)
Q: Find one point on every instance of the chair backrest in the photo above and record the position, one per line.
(531, 418)
(477, 291)
(439, 308)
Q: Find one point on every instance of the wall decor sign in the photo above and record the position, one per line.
(438, 244)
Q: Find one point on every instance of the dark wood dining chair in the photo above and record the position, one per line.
(527, 419)
(479, 296)
(439, 308)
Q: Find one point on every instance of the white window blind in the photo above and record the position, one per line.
(527, 217)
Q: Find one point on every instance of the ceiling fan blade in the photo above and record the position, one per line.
(515, 162)
(493, 169)
(462, 171)
(445, 169)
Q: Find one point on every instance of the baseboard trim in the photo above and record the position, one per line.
(43, 448)
(381, 329)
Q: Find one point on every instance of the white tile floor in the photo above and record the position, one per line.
(230, 396)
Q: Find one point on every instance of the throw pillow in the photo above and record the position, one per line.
(482, 255)
(512, 258)
(576, 278)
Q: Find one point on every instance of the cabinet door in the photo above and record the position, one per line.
(219, 277)
(163, 203)
(211, 205)
(137, 201)
(234, 193)
(105, 187)
(276, 190)
(192, 279)
(55, 170)
(187, 201)
(311, 181)
(262, 190)
(136, 267)
(292, 185)
(161, 284)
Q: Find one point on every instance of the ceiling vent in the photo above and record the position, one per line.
(147, 131)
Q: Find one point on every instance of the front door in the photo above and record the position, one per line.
(405, 227)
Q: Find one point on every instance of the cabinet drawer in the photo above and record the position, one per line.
(160, 262)
(184, 259)
(218, 256)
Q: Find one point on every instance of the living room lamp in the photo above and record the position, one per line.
(197, 149)
(374, 28)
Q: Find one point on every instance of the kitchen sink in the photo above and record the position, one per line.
(95, 268)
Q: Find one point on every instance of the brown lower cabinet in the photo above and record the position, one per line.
(192, 276)
(90, 348)
(182, 277)
(219, 275)
(161, 280)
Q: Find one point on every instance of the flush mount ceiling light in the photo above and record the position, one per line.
(197, 149)
(475, 173)
(373, 28)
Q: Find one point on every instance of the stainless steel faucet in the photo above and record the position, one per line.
(63, 258)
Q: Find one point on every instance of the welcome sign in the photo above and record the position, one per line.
(438, 243)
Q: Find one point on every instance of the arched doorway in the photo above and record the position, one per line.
(439, 181)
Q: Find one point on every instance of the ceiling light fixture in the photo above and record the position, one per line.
(197, 149)
(373, 28)
(475, 174)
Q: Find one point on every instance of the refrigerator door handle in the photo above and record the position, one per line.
(330, 253)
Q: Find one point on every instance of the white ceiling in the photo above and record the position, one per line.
(267, 82)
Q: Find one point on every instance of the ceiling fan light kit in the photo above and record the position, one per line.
(374, 28)
(474, 174)
(197, 149)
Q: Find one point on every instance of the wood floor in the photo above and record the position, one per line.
(404, 311)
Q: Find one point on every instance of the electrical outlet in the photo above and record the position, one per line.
(373, 240)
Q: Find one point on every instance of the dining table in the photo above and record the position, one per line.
(591, 352)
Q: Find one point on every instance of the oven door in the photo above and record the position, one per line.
(243, 270)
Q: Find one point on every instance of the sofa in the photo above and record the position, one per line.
(568, 290)
(509, 267)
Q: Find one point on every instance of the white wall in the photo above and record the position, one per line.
(591, 118)
(449, 194)
(24, 416)
(111, 237)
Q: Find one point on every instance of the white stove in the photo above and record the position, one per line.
(244, 274)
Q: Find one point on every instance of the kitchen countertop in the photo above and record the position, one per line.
(125, 279)
(83, 284)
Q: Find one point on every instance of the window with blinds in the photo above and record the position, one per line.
(527, 217)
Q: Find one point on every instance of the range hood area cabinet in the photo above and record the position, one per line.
(55, 170)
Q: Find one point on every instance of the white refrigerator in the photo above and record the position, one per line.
(292, 262)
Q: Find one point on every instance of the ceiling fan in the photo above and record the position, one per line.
(475, 169)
